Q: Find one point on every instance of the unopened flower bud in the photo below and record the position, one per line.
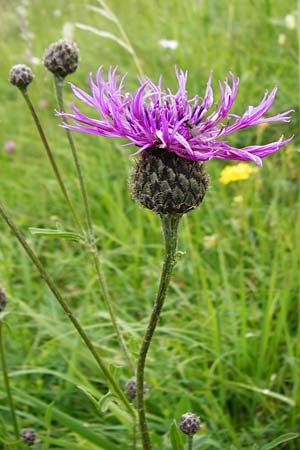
(168, 184)
(28, 436)
(3, 300)
(130, 388)
(61, 58)
(189, 423)
(20, 76)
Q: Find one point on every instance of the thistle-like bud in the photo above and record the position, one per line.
(189, 423)
(130, 388)
(168, 184)
(3, 300)
(28, 436)
(61, 58)
(20, 76)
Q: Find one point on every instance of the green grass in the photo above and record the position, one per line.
(228, 342)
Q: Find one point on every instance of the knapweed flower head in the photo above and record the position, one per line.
(3, 299)
(192, 128)
(28, 436)
(130, 388)
(189, 423)
(61, 58)
(20, 76)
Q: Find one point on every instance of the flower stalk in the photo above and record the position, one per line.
(170, 223)
(51, 157)
(59, 83)
(7, 384)
(52, 286)
(190, 442)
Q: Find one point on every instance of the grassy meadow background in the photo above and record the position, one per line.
(228, 343)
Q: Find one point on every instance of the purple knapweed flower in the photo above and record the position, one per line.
(154, 118)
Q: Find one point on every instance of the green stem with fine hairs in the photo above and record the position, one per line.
(190, 442)
(7, 384)
(51, 157)
(170, 231)
(53, 288)
(59, 83)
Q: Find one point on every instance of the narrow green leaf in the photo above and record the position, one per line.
(110, 401)
(56, 234)
(283, 438)
(90, 396)
(104, 401)
(175, 437)
(48, 415)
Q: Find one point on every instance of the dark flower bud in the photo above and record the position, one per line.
(61, 58)
(130, 388)
(189, 423)
(20, 76)
(28, 436)
(3, 300)
(168, 184)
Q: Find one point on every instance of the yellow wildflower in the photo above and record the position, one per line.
(263, 126)
(238, 172)
(238, 199)
(210, 241)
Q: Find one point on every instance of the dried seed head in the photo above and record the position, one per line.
(168, 184)
(3, 300)
(130, 388)
(61, 58)
(28, 436)
(189, 423)
(20, 76)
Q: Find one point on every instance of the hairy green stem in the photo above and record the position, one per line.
(134, 430)
(52, 286)
(50, 156)
(59, 83)
(190, 442)
(7, 384)
(106, 298)
(170, 230)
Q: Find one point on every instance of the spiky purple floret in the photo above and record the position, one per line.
(152, 117)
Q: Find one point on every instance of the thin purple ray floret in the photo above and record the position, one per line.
(154, 118)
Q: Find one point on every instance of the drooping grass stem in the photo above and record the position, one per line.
(52, 286)
(170, 231)
(7, 384)
(59, 83)
(51, 157)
